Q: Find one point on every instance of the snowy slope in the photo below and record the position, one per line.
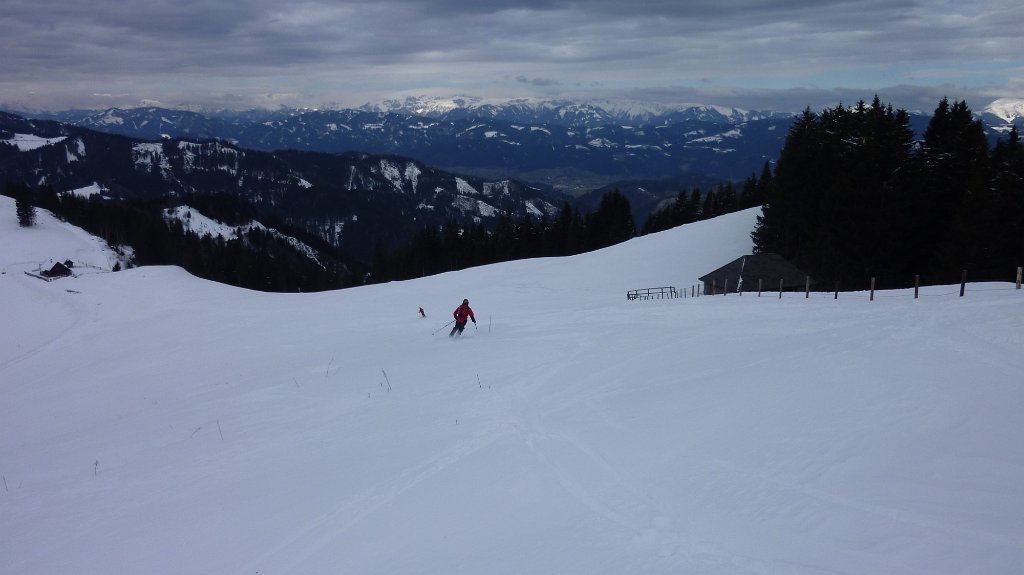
(151, 422)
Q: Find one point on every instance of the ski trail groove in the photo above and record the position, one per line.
(320, 531)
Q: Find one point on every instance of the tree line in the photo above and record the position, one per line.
(695, 204)
(856, 196)
(453, 247)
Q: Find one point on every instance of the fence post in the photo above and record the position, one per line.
(963, 282)
(759, 280)
(807, 288)
(837, 290)
(1020, 270)
(872, 289)
(917, 285)
(780, 288)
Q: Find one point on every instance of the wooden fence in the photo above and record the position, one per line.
(696, 291)
(653, 293)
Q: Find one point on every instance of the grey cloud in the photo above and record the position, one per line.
(325, 51)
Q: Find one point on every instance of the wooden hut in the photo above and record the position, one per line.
(58, 270)
(745, 272)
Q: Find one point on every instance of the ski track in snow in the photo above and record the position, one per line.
(61, 311)
(68, 325)
(587, 476)
(321, 532)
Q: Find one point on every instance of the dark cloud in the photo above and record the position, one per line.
(306, 53)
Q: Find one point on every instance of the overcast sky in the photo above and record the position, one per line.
(782, 55)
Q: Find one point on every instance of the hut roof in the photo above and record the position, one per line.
(58, 270)
(758, 266)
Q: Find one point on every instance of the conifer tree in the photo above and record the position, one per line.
(957, 177)
(611, 223)
(781, 227)
(1008, 201)
(24, 204)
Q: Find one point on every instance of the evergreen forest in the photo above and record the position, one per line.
(855, 196)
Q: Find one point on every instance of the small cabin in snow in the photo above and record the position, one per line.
(59, 270)
(745, 272)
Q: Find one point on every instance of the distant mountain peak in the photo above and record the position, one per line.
(1007, 109)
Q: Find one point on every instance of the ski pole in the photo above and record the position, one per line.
(444, 326)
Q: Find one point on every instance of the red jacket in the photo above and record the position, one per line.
(462, 313)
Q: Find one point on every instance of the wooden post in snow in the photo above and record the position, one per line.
(759, 281)
(917, 285)
(780, 288)
(872, 289)
(1020, 271)
(807, 288)
(963, 282)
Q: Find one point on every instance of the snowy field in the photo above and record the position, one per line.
(154, 423)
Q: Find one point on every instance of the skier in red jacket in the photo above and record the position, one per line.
(462, 314)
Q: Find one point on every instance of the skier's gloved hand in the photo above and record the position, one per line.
(474, 319)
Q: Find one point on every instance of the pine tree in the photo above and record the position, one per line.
(24, 204)
(612, 223)
(1008, 201)
(782, 227)
(955, 159)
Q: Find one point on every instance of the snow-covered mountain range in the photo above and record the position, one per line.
(590, 113)
(567, 145)
(348, 200)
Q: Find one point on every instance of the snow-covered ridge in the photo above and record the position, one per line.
(27, 142)
(195, 222)
(94, 189)
(111, 117)
(1008, 109)
(594, 109)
